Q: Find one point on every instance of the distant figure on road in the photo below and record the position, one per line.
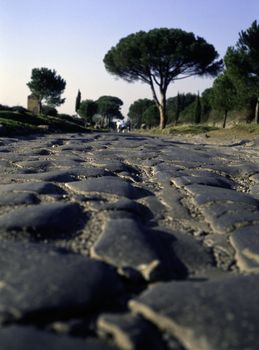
(123, 126)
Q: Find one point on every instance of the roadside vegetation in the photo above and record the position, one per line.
(158, 58)
(232, 99)
(19, 121)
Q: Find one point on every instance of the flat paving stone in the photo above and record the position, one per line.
(130, 206)
(229, 221)
(40, 282)
(14, 198)
(125, 244)
(108, 184)
(205, 194)
(172, 198)
(128, 245)
(64, 176)
(130, 332)
(215, 315)
(36, 165)
(38, 187)
(43, 221)
(29, 338)
(193, 255)
(202, 180)
(246, 244)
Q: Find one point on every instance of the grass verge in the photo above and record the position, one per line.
(15, 123)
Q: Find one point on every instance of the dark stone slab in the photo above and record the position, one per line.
(197, 258)
(108, 184)
(28, 338)
(42, 221)
(227, 222)
(217, 209)
(125, 244)
(42, 152)
(216, 181)
(36, 165)
(69, 175)
(222, 314)
(130, 332)
(155, 206)
(255, 190)
(4, 164)
(185, 155)
(113, 165)
(128, 245)
(130, 206)
(172, 197)
(14, 198)
(245, 240)
(40, 283)
(38, 187)
(206, 194)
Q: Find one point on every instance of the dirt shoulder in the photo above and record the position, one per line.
(238, 134)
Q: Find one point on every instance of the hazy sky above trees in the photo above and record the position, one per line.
(72, 37)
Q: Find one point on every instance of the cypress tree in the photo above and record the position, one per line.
(178, 108)
(78, 101)
(197, 111)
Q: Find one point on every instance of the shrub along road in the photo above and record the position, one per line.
(121, 241)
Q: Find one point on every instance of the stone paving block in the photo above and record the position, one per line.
(245, 240)
(217, 209)
(40, 152)
(130, 332)
(229, 221)
(202, 180)
(222, 314)
(36, 165)
(69, 175)
(38, 282)
(108, 184)
(38, 187)
(43, 221)
(28, 338)
(255, 190)
(155, 206)
(14, 198)
(127, 245)
(172, 198)
(130, 206)
(4, 164)
(186, 155)
(192, 253)
(205, 194)
(114, 166)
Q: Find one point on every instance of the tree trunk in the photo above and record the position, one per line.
(162, 111)
(257, 111)
(225, 119)
(40, 107)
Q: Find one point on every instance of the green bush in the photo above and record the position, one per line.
(48, 110)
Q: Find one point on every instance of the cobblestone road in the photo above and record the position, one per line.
(118, 241)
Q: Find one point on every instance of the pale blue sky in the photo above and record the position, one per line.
(72, 36)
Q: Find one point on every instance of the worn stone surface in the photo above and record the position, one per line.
(96, 228)
(17, 338)
(44, 220)
(108, 184)
(37, 281)
(126, 244)
(130, 332)
(221, 314)
(246, 243)
(37, 187)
